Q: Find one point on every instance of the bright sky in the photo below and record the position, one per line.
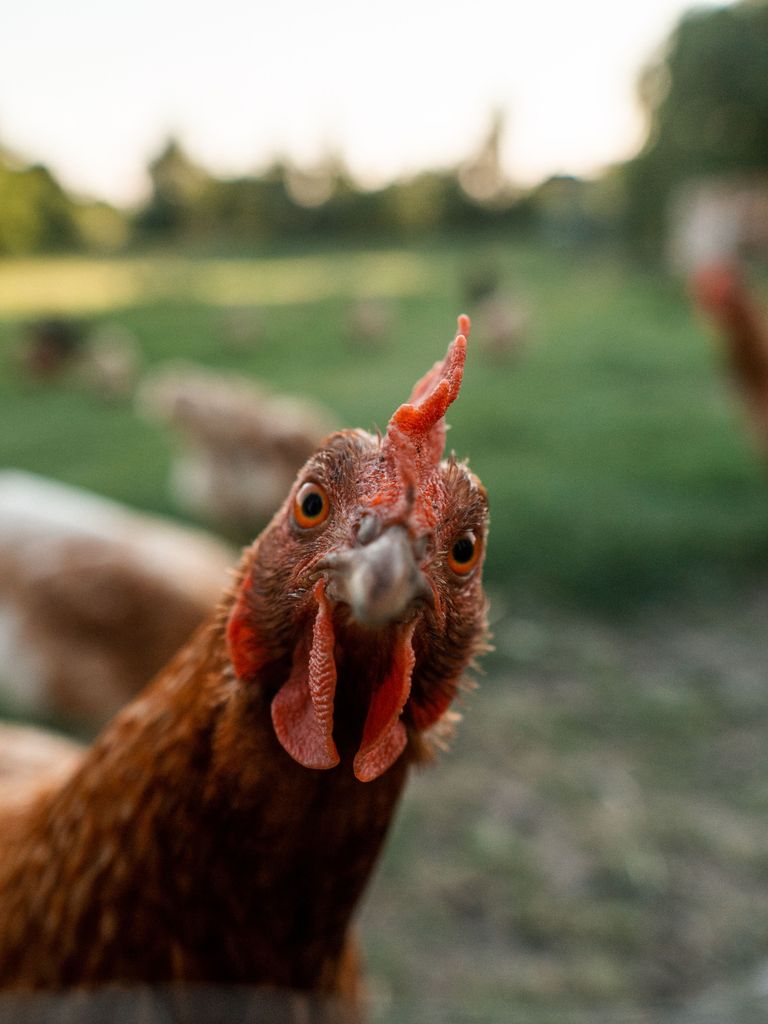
(92, 88)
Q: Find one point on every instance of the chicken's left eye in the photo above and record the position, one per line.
(464, 553)
(311, 505)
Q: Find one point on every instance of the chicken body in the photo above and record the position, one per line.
(720, 290)
(240, 444)
(94, 598)
(223, 827)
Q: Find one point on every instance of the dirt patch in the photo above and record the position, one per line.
(599, 834)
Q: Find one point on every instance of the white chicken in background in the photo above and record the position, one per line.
(104, 360)
(240, 444)
(94, 597)
(369, 324)
(502, 320)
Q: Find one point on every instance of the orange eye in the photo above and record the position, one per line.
(464, 553)
(311, 505)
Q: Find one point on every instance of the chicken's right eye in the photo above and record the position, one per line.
(311, 505)
(465, 553)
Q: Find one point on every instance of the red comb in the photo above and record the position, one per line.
(420, 421)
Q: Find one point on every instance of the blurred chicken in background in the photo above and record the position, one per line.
(718, 227)
(94, 598)
(369, 324)
(501, 321)
(720, 289)
(240, 444)
(48, 347)
(104, 360)
(112, 362)
(31, 759)
(241, 328)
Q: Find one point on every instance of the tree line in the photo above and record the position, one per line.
(705, 96)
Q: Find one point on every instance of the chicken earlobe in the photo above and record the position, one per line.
(302, 711)
(246, 648)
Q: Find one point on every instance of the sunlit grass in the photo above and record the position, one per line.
(86, 286)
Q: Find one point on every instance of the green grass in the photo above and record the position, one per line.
(617, 464)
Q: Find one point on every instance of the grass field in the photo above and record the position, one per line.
(599, 835)
(617, 465)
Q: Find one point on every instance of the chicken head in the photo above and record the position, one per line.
(361, 604)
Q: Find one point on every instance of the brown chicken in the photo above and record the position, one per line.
(721, 292)
(222, 828)
(240, 444)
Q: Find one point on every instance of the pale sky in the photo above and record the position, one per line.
(93, 87)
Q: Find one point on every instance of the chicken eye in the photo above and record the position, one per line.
(311, 505)
(464, 553)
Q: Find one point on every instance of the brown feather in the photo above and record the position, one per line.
(723, 294)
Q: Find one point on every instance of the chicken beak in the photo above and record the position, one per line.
(379, 581)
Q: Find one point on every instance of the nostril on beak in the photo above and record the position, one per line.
(378, 580)
(369, 529)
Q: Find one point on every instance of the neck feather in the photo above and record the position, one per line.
(189, 846)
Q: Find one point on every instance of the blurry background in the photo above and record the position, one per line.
(297, 200)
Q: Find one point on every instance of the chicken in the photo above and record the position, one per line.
(720, 291)
(104, 361)
(29, 760)
(241, 445)
(94, 598)
(222, 828)
(502, 321)
(49, 348)
(241, 328)
(505, 324)
(369, 324)
(111, 362)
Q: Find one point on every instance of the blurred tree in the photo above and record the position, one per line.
(418, 205)
(288, 202)
(38, 215)
(180, 188)
(35, 212)
(482, 176)
(101, 227)
(706, 101)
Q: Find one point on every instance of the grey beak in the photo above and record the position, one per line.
(378, 580)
